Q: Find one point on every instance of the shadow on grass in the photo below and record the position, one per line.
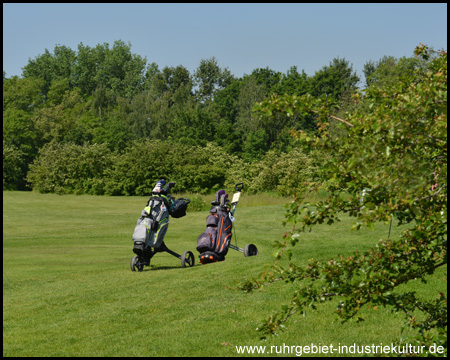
(153, 267)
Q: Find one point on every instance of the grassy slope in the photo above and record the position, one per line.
(68, 289)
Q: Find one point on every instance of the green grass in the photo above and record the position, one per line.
(68, 289)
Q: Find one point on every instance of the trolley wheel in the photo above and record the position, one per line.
(136, 264)
(250, 250)
(187, 258)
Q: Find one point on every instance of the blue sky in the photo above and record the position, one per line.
(242, 37)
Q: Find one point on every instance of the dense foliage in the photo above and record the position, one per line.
(95, 169)
(68, 100)
(391, 163)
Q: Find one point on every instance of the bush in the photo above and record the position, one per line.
(94, 169)
(14, 167)
(284, 173)
(295, 170)
(69, 168)
(136, 171)
(197, 203)
(145, 162)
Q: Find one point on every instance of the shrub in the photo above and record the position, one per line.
(284, 173)
(96, 170)
(70, 168)
(14, 165)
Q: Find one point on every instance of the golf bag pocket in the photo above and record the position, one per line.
(142, 230)
(212, 220)
(156, 238)
(205, 241)
(138, 248)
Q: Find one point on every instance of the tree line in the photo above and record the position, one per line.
(112, 101)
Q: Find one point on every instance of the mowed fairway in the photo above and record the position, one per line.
(68, 289)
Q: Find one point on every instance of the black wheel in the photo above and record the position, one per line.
(136, 264)
(187, 258)
(250, 250)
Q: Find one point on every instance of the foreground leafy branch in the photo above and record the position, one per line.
(392, 163)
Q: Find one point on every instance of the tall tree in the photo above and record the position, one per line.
(293, 83)
(210, 78)
(335, 80)
(54, 122)
(370, 67)
(86, 68)
(226, 107)
(50, 67)
(116, 69)
(267, 77)
(22, 97)
(389, 70)
(250, 93)
(169, 80)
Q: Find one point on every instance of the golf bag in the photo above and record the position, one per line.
(152, 226)
(179, 207)
(213, 244)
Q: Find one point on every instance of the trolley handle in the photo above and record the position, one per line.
(236, 196)
(239, 186)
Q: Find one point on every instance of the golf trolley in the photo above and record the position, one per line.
(249, 249)
(139, 261)
(151, 228)
(214, 242)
